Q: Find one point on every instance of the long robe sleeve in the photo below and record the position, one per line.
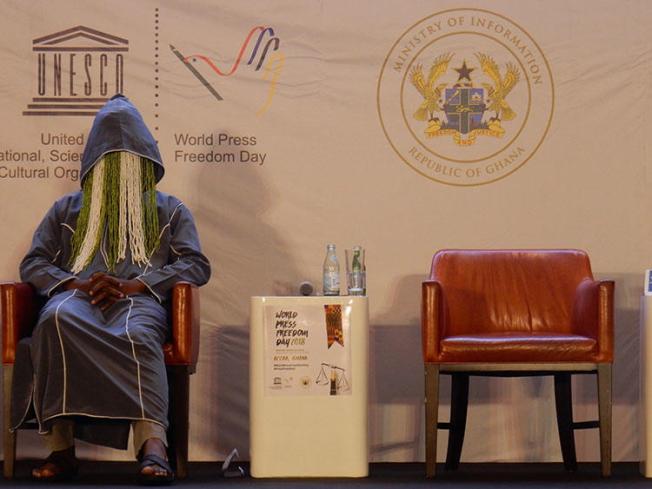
(186, 261)
(42, 265)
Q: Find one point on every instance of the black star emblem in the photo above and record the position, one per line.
(464, 72)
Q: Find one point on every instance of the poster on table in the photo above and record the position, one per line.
(307, 350)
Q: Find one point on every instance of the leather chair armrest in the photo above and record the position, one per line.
(20, 308)
(431, 319)
(185, 326)
(593, 315)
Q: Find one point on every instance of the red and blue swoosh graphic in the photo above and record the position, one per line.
(266, 43)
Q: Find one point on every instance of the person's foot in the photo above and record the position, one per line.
(60, 465)
(154, 465)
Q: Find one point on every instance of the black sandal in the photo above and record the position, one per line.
(155, 479)
(65, 463)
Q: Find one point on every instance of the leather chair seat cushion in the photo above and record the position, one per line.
(518, 347)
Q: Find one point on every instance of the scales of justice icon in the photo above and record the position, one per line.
(337, 379)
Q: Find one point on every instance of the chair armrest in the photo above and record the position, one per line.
(431, 319)
(184, 318)
(593, 315)
(20, 308)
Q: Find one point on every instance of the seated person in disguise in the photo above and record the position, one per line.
(106, 259)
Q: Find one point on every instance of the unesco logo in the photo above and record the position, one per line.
(465, 97)
(77, 70)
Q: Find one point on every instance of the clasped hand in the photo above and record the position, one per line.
(105, 289)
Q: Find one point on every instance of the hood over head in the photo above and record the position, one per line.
(118, 126)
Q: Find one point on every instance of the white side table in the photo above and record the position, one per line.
(646, 386)
(314, 432)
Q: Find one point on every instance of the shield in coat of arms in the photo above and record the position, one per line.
(464, 108)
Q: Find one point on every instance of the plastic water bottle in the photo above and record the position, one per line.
(331, 272)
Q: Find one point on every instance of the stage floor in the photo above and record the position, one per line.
(383, 475)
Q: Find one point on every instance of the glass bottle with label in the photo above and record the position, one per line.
(331, 272)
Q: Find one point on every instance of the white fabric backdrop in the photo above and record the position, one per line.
(330, 175)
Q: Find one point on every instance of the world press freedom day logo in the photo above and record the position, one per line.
(262, 53)
(465, 97)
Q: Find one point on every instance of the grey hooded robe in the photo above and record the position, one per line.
(104, 369)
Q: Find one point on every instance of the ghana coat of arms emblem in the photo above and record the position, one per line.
(463, 110)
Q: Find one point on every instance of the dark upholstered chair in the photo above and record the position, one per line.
(20, 308)
(515, 313)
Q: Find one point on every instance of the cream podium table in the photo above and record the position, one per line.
(308, 386)
(646, 386)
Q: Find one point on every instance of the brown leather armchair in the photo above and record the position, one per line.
(516, 313)
(20, 309)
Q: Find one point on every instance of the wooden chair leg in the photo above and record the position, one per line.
(432, 408)
(604, 410)
(8, 438)
(179, 385)
(564, 405)
(459, 407)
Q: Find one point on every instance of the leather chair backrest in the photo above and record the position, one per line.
(502, 291)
